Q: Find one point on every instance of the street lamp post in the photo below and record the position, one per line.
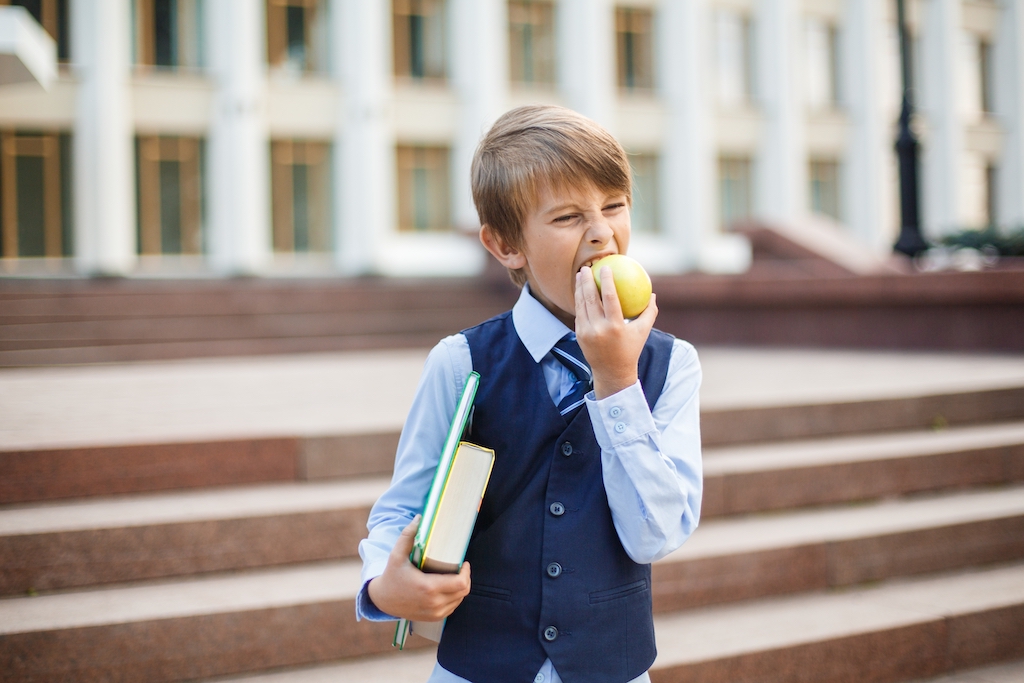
(910, 241)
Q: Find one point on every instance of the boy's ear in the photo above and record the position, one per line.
(507, 255)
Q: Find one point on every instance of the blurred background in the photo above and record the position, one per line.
(335, 136)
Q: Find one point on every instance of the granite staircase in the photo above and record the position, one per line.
(878, 540)
(48, 322)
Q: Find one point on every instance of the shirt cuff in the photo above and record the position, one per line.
(621, 417)
(365, 609)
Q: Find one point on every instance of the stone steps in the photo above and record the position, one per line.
(76, 633)
(863, 520)
(896, 631)
(104, 540)
(47, 323)
(85, 469)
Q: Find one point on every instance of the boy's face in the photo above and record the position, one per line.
(567, 229)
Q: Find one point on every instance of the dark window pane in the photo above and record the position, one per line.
(67, 234)
(29, 179)
(416, 46)
(165, 18)
(300, 194)
(63, 52)
(297, 36)
(34, 7)
(170, 207)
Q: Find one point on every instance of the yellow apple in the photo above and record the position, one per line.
(632, 283)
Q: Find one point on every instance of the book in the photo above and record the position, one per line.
(451, 507)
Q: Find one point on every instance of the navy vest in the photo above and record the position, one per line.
(550, 578)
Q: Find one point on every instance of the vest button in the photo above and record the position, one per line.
(566, 449)
(557, 509)
(550, 633)
(554, 570)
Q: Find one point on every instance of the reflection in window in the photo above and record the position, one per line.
(644, 212)
(168, 33)
(824, 177)
(169, 195)
(52, 15)
(297, 35)
(300, 176)
(419, 39)
(423, 189)
(35, 194)
(734, 58)
(634, 48)
(531, 41)
(734, 189)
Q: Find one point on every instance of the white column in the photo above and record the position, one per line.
(238, 181)
(781, 173)
(364, 160)
(941, 37)
(585, 41)
(869, 147)
(104, 177)
(688, 155)
(1009, 105)
(479, 30)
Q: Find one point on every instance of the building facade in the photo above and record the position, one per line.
(295, 137)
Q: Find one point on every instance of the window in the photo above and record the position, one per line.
(734, 189)
(297, 35)
(52, 15)
(169, 195)
(821, 61)
(824, 179)
(531, 28)
(991, 196)
(300, 176)
(419, 39)
(644, 212)
(168, 33)
(35, 194)
(734, 48)
(423, 202)
(985, 76)
(634, 48)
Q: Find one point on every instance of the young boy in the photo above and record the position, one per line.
(585, 492)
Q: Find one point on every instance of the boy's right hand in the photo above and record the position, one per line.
(405, 591)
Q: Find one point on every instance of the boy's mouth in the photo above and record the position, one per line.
(591, 262)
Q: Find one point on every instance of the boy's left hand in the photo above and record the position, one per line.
(610, 345)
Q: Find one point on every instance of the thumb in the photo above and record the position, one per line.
(403, 546)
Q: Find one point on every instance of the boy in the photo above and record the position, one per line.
(585, 492)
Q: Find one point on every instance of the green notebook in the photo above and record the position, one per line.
(451, 507)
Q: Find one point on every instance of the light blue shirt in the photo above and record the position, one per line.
(650, 459)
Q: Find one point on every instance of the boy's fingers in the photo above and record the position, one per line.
(582, 315)
(403, 546)
(609, 296)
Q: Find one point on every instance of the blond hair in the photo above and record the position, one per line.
(531, 146)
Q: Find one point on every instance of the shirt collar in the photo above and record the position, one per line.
(537, 327)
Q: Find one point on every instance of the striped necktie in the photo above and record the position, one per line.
(567, 352)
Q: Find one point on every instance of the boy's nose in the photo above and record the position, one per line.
(599, 231)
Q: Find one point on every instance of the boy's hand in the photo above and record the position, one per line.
(405, 591)
(610, 345)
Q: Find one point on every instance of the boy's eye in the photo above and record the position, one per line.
(616, 205)
(565, 219)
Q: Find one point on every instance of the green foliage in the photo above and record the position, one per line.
(990, 239)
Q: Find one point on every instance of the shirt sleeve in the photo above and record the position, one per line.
(652, 459)
(419, 447)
